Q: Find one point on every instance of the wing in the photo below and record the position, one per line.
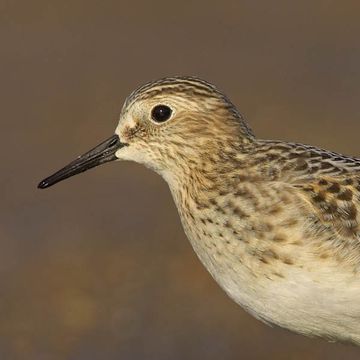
(327, 182)
(335, 200)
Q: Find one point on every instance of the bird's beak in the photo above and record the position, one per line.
(101, 154)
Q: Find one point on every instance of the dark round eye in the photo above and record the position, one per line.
(161, 113)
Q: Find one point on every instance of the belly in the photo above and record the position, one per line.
(306, 297)
(271, 267)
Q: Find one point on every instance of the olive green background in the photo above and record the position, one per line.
(98, 267)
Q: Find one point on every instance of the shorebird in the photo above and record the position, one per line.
(275, 223)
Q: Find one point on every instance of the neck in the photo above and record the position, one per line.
(199, 178)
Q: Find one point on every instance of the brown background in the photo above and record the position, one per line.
(98, 267)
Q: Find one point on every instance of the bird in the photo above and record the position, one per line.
(276, 223)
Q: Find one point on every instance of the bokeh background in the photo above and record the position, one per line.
(98, 267)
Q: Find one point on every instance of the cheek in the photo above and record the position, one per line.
(142, 154)
(135, 152)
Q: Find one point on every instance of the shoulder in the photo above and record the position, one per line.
(299, 163)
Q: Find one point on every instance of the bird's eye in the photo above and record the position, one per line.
(161, 113)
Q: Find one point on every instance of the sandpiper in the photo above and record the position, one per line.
(275, 223)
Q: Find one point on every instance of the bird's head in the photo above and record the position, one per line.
(166, 125)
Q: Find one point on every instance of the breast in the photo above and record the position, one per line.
(267, 265)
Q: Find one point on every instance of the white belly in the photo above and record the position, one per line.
(312, 299)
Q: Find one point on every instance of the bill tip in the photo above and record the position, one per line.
(43, 184)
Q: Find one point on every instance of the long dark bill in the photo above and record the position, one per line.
(101, 154)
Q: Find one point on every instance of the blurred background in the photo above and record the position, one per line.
(98, 267)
